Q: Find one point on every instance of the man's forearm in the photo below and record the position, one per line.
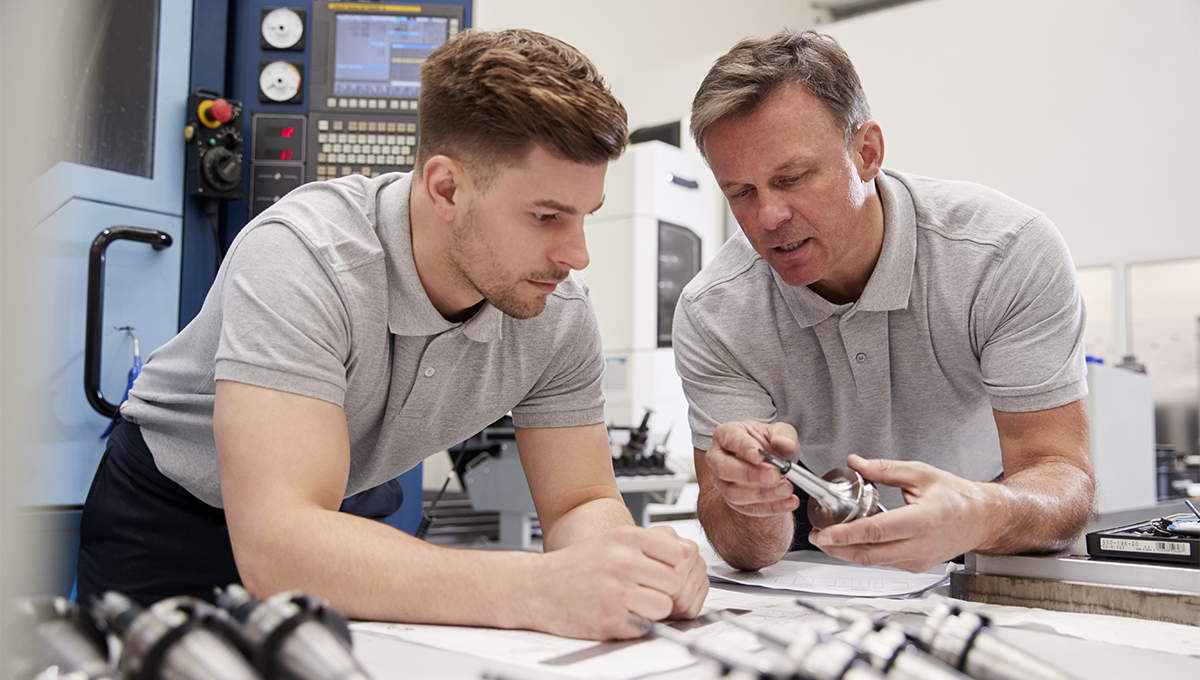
(584, 521)
(1046, 509)
(369, 570)
(744, 542)
(1048, 483)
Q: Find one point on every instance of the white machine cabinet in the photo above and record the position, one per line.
(1121, 411)
(661, 221)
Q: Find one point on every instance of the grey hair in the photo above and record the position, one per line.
(745, 76)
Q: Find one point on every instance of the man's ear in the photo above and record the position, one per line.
(868, 150)
(443, 180)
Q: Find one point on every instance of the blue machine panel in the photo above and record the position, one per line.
(141, 290)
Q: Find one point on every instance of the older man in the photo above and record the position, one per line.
(928, 333)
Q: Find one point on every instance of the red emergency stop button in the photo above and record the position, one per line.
(213, 112)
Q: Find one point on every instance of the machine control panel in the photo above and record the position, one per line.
(355, 107)
(370, 145)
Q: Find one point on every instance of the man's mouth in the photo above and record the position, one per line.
(545, 286)
(792, 246)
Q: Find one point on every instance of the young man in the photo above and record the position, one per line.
(362, 325)
(927, 333)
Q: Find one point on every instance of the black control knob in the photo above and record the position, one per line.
(222, 168)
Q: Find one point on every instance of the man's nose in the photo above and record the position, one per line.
(773, 210)
(571, 250)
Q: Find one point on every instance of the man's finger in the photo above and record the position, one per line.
(742, 494)
(897, 525)
(691, 600)
(782, 440)
(734, 469)
(898, 473)
(649, 603)
(661, 544)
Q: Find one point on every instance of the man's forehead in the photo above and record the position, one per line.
(541, 179)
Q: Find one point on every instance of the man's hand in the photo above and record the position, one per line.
(745, 505)
(1043, 502)
(747, 483)
(592, 588)
(945, 517)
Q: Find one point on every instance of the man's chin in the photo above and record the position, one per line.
(520, 309)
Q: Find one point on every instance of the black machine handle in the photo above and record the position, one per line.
(95, 307)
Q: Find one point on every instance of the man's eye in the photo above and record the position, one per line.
(791, 180)
(545, 217)
(740, 194)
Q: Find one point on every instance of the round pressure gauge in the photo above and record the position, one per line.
(282, 28)
(279, 81)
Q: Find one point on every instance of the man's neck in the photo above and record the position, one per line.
(861, 260)
(430, 243)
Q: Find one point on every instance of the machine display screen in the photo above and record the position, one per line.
(381, 56)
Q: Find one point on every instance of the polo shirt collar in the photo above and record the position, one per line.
(410, 312)
(890, 284)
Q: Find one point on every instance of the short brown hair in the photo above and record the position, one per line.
(488, 97)
(739, 81)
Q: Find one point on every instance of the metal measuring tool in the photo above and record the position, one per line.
(840, 496)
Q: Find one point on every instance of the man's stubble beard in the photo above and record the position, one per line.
(490, 278)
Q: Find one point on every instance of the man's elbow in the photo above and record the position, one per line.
(749, 560)
(741, 549)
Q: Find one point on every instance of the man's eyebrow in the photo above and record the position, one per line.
(798, 163)
(551, 204)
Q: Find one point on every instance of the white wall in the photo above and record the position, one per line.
(1086, 109)
(653, 53)
(1089, 111)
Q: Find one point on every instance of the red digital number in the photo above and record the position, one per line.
(285, 155)
(287, 132)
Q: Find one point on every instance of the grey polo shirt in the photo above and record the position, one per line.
(319, 296)
(973, 305)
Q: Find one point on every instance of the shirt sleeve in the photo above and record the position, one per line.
(1030, 323)
(284, 326)
(570, 392)
(717, 387)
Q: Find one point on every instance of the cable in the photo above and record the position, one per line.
(211, 208)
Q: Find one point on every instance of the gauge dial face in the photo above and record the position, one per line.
(282, 28)
(279, 81)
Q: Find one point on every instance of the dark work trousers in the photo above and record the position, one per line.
(146, 536)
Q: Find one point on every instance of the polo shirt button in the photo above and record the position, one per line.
(429, 372)
(860, 357)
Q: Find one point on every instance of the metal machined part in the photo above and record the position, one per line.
(815, 657)
(889, 648)
(180, 638)
(54, 634)
(962, 639)
(836, 659)
(840, 496)
(293, 636)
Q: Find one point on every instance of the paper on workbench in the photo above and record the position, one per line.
(621, 660)
(844, 578)
(816, 573)
(542, 651)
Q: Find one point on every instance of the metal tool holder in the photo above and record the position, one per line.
(181, 638)
(951, 645)
(293, 636)
(842, 495)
